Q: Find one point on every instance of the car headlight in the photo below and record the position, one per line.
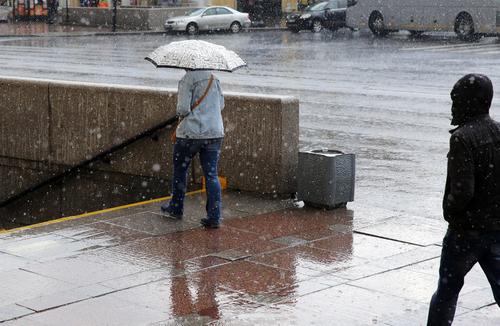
(305, 16)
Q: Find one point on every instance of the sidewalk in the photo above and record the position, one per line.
(42, 29)
(269, 264)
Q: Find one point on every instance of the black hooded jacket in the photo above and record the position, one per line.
(472, 193)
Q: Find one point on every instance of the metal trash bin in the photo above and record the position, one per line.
(326, 178)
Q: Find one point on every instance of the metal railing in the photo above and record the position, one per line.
(99, 157)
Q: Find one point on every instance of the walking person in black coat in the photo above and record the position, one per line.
(471, 203)
(52, 11)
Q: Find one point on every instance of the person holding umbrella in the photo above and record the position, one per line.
(200, 130)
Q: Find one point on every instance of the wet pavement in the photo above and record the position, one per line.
(271, 263)
(31, 29)
(42, 29)
(386, 100)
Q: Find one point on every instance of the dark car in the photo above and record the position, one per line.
(328, 14)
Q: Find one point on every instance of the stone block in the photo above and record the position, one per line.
(127, 18)
(260, 150)
(89, 118)
(82, 120)
(158, 16)
(133, 18)
(150, 157)
(24, 122)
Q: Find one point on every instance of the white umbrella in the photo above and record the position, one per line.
(196, 55)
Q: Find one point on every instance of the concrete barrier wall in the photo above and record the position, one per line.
(19, 174)
(158, 16)
(53, 124)
(24, 124)
(126, 18)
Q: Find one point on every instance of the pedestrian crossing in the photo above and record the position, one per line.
(464, 48)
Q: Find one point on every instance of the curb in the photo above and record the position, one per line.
(123, 33)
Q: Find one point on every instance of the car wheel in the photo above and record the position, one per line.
(235, 28)
(376, 24)
(294, 29)
(464, 27)
(192, 29)
(317, 26)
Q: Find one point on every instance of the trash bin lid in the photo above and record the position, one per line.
(327, 152)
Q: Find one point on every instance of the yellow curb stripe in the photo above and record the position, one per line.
(107, 210)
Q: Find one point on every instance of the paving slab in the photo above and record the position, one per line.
(152, 223)
(170, 249)
(477, 299)
(346, 305)
(99, 234)
(105, 310)
(270, 263)
(87, 269)
(10, 262)
(412, 229)
(23, 285)
(292, 222)
(487, 316)
(49, 247)
(42, 29)
(363, 246)
(377, 266)
(308, 260)
(12, 311)
(58, 299)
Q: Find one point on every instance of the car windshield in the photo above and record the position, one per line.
(317, 7)
(196, 12)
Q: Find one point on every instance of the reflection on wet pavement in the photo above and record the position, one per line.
(41, 28)
(269, 264)
(384, 99)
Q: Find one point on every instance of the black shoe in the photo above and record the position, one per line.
(210, 223)
(165, 210)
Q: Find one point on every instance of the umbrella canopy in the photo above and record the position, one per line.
(196, 55)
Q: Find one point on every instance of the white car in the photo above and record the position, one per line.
(209, 18)
(5, 13)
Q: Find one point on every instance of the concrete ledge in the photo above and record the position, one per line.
(70, 122)
(24, 119)
(132, 18)
(94, 117)
(261, 148)
(124, 33)
(127, 18)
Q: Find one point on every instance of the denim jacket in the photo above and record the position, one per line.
(205, 121)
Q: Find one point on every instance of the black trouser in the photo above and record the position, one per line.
(461, 251)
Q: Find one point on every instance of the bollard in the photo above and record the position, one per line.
(326, 178)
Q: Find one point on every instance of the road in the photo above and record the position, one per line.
(386, 100)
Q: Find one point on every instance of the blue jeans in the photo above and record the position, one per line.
(184, 151)
(461, 251)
